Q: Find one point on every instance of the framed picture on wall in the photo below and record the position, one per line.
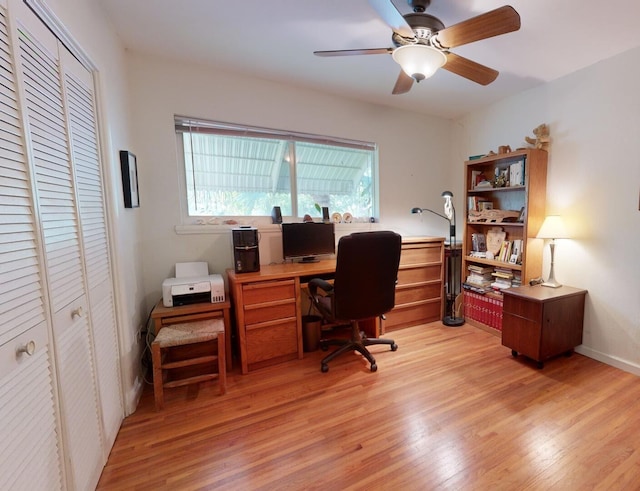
(129, 169)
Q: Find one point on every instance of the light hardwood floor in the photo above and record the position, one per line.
(451, 409)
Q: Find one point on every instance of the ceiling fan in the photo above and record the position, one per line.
(422, 42)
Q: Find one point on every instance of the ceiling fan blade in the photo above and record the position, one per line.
(392, 17)
(403, 84)
(499, 21)
(471, 70)
(350, 52)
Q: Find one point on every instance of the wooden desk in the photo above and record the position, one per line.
(163, 316)
(541, 322)
(269, 303)
(268, 311)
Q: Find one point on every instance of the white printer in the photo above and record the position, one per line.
(192, 284)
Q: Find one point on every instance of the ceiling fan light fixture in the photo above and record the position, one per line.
(418, 60)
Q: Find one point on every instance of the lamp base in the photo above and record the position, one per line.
(552, 284)
(452, 321)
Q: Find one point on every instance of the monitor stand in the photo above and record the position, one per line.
(310, 259)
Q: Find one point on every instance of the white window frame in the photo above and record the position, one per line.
(243, 130)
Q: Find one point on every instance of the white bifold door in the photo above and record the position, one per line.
(60, 381)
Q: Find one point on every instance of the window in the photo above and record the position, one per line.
(241, 171)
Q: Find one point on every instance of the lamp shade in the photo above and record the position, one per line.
(419, 61)
(553, 227)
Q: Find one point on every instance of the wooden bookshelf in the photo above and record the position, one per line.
(528, 196)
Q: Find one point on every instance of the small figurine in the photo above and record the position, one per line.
(541, 140)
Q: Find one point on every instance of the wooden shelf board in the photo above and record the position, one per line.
(494, 263)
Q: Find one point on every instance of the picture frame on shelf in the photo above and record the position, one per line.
(522, 215)
(129, 168)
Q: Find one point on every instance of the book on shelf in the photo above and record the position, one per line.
(479, 242)
(516, 173)
(482, 280)
(483, 308)
(479, 180)
(516, 252)
(476, 289)
(479, 269)
(505, 251)
(478, 254)
(478, 203)
(474, 178)
(484, 185)
(500, 285)
(517, 279)
(504, 270)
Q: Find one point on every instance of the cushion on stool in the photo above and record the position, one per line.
(189, 332)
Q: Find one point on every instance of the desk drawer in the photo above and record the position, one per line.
(268, 291)
(268, 341)
(419, 254)
(413, 314)
(417, 293)
(407, 276)
(281, 309)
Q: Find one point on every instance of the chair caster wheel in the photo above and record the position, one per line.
(324, 346)
(374, 367)
(324, 368)
(394, 347)
(514, 353)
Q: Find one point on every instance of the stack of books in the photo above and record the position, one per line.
(517, 279)
(483, 308)
(480, 276)
(503, 278)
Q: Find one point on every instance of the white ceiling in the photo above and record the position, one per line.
(275, 39)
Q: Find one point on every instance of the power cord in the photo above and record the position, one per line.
(145, 357)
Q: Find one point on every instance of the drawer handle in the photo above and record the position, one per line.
(29, 348)
(76, 312)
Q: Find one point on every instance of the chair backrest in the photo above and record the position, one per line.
(366, 274)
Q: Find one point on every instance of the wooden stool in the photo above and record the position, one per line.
(176, 350)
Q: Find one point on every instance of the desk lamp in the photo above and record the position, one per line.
(450, 318)
(552, 228)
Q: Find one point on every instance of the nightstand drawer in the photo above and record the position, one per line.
(521, 335)
(523, 308)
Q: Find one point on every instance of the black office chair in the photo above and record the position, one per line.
(363, 288)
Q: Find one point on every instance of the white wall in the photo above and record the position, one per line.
(593, 181)
(86, 24)
(414, 152)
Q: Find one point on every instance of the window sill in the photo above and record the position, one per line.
(341, 228)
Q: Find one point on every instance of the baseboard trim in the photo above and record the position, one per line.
(625, 365)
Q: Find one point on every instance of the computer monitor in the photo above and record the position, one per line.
(307, 241)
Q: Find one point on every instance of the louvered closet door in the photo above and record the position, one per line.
(78, 88)
(29, 450)
(83, 439)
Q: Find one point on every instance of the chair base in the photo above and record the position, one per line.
(358, 342)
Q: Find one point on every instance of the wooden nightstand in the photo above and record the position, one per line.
(541, 322)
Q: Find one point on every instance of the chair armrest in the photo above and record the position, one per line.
(316, 283)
